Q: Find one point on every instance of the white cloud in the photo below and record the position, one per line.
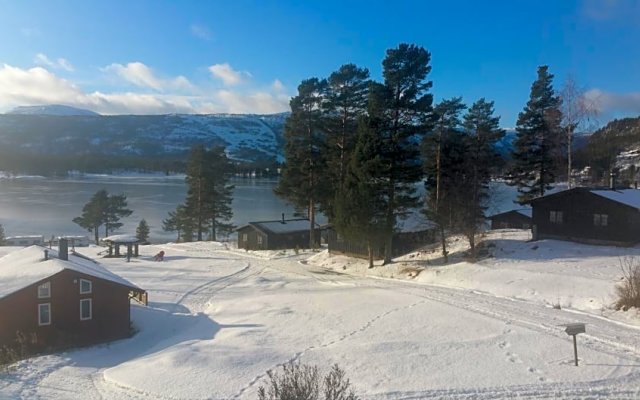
(278, 86)
(60, 63)
(201, 31)
(142, 76)
(37, 86)
(228, 75)
(614, 103)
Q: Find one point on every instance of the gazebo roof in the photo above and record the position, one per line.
(121, 239)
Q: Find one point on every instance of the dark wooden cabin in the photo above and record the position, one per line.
(408, 237)
(276, 235)
(59, 300)
(597, 216)
(514, 219)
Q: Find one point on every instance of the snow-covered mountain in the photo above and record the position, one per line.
(247, 138)
(51, 109)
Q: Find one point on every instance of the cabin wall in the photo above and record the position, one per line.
(402, 243)
(511, 221)
(578, 209)
(110, 313)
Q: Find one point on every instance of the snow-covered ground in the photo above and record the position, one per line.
(220, 318)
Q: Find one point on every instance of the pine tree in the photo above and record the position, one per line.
(179, 221)
(220, 193)
(115, 210)
(209, 195)
(403, 105)
(346, 93)
(3, 239)
(94, 213)
(443, 151)
(482, 159)
(142, 232)
(303, 181)
(538, 140)
(361, 205)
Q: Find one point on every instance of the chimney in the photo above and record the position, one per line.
(63, 249)
(283, 218)
(46, 254)
(612, 181)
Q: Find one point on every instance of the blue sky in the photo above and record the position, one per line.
(139, 57)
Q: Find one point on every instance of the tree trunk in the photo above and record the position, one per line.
(312, 224)
(569, 139)
(472, 244)
(96, 234)
(443, 241)
(370, 250)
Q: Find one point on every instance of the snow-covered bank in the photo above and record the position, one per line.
(220, 318)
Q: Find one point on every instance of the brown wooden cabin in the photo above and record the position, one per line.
(59, 300)
(408, 237)
(276, 235)
(514, 219)
(597, 216)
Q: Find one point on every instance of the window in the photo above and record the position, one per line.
(600, 219)
(259, 239)
(85, 309)
(245, 237)
(555, 217)
(44, 314)
(85, 286)
(44, 290)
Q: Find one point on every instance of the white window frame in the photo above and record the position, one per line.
(245, 237)
(601, 219)
(555, 217)
(40, 306)
(259, 239)
(90, 286)
(47, 286)
(90, 309)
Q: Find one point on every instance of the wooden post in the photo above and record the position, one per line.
(575, 349)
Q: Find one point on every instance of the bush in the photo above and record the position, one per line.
(23, 348)
(302, 382)
(629, 290)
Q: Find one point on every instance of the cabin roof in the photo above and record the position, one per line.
(527, 212)
(27, 266)
(280, 226)
(630, 197)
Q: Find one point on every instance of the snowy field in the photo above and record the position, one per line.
(220, 318)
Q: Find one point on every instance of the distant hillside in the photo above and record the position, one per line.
(26, 134)
(615, 146)
(52, 109)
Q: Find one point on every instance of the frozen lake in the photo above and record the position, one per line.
(34, 205)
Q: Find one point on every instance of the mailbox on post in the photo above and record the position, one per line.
(573, 330)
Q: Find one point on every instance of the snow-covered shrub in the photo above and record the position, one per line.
(629, 290)
(302, 382)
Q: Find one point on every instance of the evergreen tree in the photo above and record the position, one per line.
(115, 210)
(180, 222)
(443, 151)
(303, 181)
(220, 193)
(361, 205)
(3, 238)
(538, 140)
(403, 105)
(142, 232)
(209, 195)
(482, 159)
(346, 93)
(93, 213)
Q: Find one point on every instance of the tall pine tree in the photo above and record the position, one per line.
(303, 181)
(403, 105)
(346, 100)
(482, 159)
(443, 152)
(538, 140)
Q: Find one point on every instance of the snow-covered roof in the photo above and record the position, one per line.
(25, 237)
(27, 266)
(288, 226)
(527, 212)
(414, 222)
(121, 239)
(630, 197)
